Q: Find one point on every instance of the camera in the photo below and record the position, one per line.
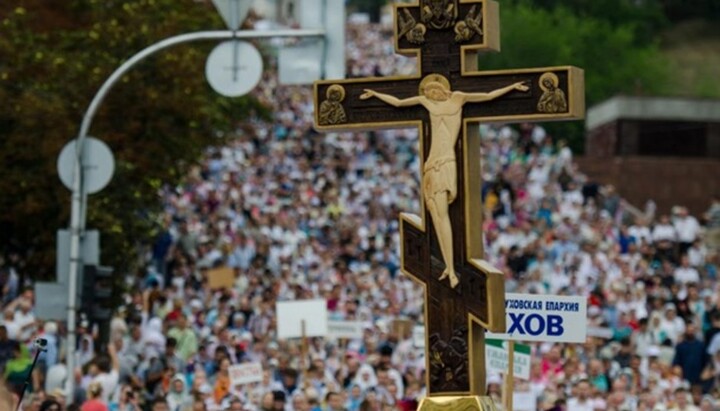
(41, 344)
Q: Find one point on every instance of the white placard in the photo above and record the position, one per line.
(601, 332)
(496, 358)
(553, 318)
(345, 329)
(291, 314)
(247, 373)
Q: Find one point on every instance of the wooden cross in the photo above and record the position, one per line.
(444, 100)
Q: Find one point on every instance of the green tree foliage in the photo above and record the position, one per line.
(157, 120)
(645, 17)
(613, 61)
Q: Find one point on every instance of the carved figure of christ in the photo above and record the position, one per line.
(440, 169)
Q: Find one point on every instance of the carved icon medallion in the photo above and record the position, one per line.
(553, 98)
(331, 111)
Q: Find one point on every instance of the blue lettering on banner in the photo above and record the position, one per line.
(529, 324)
(516, 325)
(554, 325)
(523, 304)
(562, 306)
(535, 324)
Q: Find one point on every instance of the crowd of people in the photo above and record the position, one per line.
(300, 215)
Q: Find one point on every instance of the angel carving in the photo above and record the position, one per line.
(465, 29)
(413, 31)
(439, 14)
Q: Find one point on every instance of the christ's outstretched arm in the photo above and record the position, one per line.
(480, 97)
(392, 100)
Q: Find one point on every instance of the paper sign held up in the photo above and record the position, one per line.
(547, 318)
(248, 373)
(223, 277)
(345, 329)
(496, 358)
(292, 314)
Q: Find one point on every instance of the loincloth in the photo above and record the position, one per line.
(440, 175)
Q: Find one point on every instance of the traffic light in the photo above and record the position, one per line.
(97, 293)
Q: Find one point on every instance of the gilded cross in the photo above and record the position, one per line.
(442, 248)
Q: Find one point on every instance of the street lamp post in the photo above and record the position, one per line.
(79, 197)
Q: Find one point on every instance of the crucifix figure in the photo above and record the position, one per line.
(442, 248)
(440, 174)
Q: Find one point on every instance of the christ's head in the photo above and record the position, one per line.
(434, 90)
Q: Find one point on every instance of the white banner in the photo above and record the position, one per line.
(553, 318)
(292, 314)
(241, 374)
(345, 329)
(601, 332)
(496, 358)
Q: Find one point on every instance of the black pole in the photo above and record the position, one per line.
(39, 347)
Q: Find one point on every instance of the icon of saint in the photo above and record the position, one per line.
(553, 98)
(331, 111)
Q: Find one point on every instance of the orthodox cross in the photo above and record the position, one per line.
(442, 248)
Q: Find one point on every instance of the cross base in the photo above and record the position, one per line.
(461, 403)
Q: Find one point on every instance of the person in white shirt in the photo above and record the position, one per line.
(664, 238)
(581, 401)
(640, 231)
(664, 231)
(687, 228)
(685, 273)
(106, 372)
(13, 330)
(25, 320)
(672, 325)
(682, 401)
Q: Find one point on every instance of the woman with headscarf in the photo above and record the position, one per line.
(178, 397)
(366, 377)
(152, 329)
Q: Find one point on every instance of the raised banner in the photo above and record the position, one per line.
(496, 358)
(241, 374)
(345, 329)
(293, 316)
(552, 318)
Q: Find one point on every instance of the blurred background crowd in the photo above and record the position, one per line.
(302, 215)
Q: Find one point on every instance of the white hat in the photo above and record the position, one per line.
(51, 328)
(494, 378)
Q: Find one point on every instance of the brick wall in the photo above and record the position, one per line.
(601, 141)
(667, 181)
